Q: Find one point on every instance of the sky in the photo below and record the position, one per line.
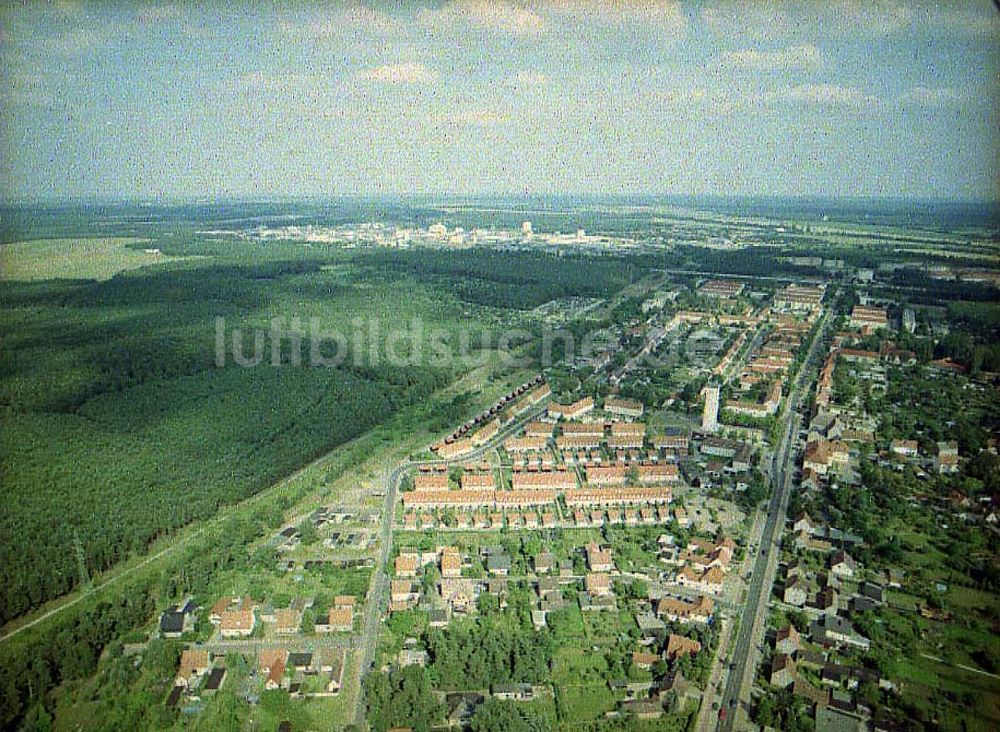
(844, 98)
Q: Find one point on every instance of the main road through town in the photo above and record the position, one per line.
(751, 629)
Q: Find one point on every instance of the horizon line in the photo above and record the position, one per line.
(97, 200)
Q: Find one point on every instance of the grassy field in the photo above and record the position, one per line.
(74, 259)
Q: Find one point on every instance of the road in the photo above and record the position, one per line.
(737, 691)
(377, 601)
(730, 276)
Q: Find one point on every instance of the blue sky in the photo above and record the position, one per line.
(841, 98)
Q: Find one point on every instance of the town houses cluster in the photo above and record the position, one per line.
(572, 464)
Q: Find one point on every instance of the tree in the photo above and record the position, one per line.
(307, 533)
(496, 715)
(403, 697)
(429, 581)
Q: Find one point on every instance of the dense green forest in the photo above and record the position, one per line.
(118, 425)
(507, 279)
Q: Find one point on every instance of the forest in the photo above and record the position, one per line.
(112, 401)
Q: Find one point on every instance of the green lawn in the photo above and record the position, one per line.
(583, 702)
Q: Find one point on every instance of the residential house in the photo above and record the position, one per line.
(787, 641)
(678, 646)
(544, 563)
(513, 692)
(813, 696)
(598, 583)
(599, 559)
(832, 630)
(237, 623)
(341, 619)
(406, 565)
(643, 660)
(498, 564)
(947, 457)
(220, 606)
(177, 620)
(803, 523)
(782, 671)
(214, 682)
(795, 591)
(827, 601)
(842, 564)
(272, 662)
(194, 664)
(403, 594)
(287, 621)
(333, 664)
(685, 611)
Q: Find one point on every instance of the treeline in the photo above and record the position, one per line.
(932, 291)
(67, 649)
(403, 696)
(755, 261)
(128, 468)
(506, 279)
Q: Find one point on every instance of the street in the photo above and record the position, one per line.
(736, 697)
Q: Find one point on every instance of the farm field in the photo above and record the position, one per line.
(74, 259)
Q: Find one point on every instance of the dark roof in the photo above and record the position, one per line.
(498, 561)
(172, 622)
(872, 591)
(175, 695)
(214, 680)
(189, 607)
(835, 672)
(862, 604)
(809, 656)
(300, 659)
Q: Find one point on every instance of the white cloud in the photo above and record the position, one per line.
(471, 117)
(962, 19)
(530, 79)
(871, 17)
(348, 19)
(27, 90)
(515, 19)
(930, 96)
(557, 18)
(801, 57)
(806, 20)
(409, 72)
(76, 41)
(664, 16)
(154, 14)
(826, 95)
(725, 100)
